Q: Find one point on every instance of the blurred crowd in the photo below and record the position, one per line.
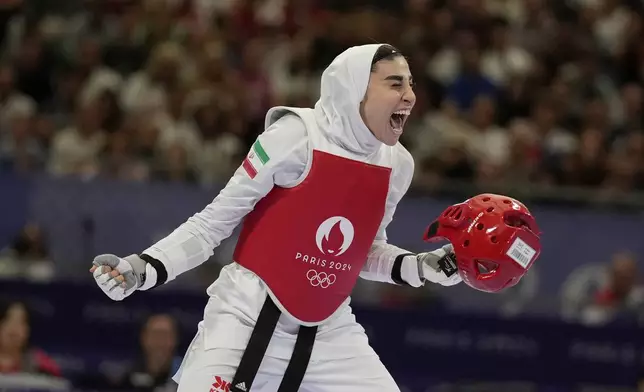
(535, 91)
(150, 371)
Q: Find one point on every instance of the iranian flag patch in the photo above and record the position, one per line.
(255, 159)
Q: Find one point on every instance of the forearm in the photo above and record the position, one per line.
(194, 241)
(183, 249)
(391, 264)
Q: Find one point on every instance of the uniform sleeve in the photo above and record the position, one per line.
(387, 262)
(278, 157)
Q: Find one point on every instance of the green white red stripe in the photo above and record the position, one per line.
(255, 159)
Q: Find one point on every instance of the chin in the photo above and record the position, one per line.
(390, 138)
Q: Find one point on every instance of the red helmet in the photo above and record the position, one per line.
(495, 239)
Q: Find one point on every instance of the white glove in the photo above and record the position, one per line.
(117, 277)
(431, 265)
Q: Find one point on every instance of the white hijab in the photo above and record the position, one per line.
(343, 86)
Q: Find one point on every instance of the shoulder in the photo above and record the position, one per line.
(281, 148)
(289, 125)
(284, 134)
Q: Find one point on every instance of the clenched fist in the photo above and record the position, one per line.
(117, 277)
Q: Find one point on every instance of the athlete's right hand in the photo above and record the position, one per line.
(115, 276)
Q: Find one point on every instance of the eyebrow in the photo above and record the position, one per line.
(399, 78)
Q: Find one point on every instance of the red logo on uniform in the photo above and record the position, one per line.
(334, 236)
(220, 385)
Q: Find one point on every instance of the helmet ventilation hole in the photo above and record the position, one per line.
(485, 267)
(515, 221)
(454, 213)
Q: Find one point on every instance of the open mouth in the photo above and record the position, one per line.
(398, 119)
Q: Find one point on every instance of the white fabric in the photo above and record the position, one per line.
(341, 360)
(409, 271)
(356, 374)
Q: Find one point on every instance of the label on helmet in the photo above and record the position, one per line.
(521, 252)
(448, 265)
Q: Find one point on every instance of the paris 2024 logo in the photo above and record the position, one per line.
(332, 238)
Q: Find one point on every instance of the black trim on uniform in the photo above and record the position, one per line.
(299, 360)
(396, 274)
(162, 273)
(256, 349)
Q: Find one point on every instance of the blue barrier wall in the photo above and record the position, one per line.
(84, 330)
(14, 205)
(84, 218)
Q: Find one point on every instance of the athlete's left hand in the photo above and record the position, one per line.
(435, 266)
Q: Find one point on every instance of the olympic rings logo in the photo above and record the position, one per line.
(321, 279)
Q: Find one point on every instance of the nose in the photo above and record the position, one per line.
(409, 97)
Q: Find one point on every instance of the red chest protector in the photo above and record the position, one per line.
(308, 243)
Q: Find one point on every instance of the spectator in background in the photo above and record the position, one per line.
(16, 354)
(27, 257)
(603, 294)
(95, 76)
(504, 59)
(75, 149)
(146, 91)
(222, 147)
(471, 81)
(158, 361)
(8, 8)
(176, 166)
(35, 66)
(21, 148)
(12, 100)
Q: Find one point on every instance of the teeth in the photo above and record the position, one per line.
(397, 127)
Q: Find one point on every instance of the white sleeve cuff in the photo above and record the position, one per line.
(410, 272)
(150, 277)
